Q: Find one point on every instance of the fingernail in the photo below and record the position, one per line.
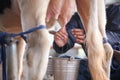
(75, 35)
(72, 30)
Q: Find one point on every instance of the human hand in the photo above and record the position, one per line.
(61, 37)
(79, 35)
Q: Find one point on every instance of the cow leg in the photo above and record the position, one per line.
(93, 38)
(37, 56)
(21, 51)
(96, 51)
(32, 15)
(107, 46)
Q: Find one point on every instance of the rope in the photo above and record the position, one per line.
(3, 35)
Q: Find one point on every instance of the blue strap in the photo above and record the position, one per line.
(3, 55)
(28, 31)
(22, 34)
(105, 40)
(2, 42)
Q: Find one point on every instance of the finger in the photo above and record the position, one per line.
(56, 37)
(63, 34)
(60, 35)
(80, 41)
(79, 36)
(77, 32)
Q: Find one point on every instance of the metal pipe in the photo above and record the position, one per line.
(11, 60)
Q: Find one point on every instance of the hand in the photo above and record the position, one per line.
(79, 35)
(61, 37)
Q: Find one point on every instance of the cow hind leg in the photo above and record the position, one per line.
(107, 46)
(96, 52)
